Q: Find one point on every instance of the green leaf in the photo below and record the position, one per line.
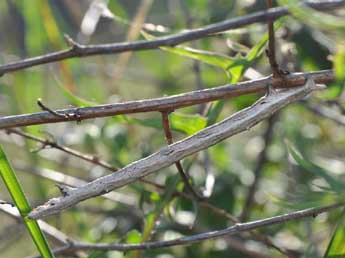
(234, 67)
(336, 247)
(312, 17)
(74, 99)
(133, 237)
(185, 123)
(339, 64)
(23, 205)
(153, 216)
(333, 182)
(214, 112)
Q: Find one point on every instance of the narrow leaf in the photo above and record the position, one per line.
(336, 247)
(333, 182)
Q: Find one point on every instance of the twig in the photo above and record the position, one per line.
(262, 159)
(164, 103)
(78, 50)
(239, 122)
(53, 144)
(45, 108)
(240, 227)
(75, 182)
(71, 181)
(327, 112)
(271, 52)
(168, 136)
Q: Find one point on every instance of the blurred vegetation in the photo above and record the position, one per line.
(301, 140)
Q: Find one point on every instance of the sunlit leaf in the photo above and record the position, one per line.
(133, 237)
(188, 124)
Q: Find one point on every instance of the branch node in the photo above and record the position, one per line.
(75, 46)
(45, 108)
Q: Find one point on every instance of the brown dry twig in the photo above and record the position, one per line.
(184, 176)
(232, 230)
(78, 50)
(165, 103)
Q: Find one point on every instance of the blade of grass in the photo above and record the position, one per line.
(23, 205)
(333, 182)
(336, 247)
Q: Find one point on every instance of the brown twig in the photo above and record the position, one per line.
(271, 52)
(168, 136)
(78, 50)
(45, 108)
(165, 103)
(232, 230)
(53, 144)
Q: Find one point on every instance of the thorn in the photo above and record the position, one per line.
(270, 90)
(310, 84)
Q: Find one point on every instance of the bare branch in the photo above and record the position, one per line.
(239, 122)
(45, 142)
(164, 103)
(71, 181)
(271, 52)
(78, 50)
(240, 227)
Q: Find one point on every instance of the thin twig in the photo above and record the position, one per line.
(78, 50)
(271, 52)
(232, 230)
(165, 103)
(168, 136)
(239, 122)
(45, 108)
(53, 144)
(326, 112)
(75, 182)
(262, 159)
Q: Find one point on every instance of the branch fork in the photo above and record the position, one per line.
(238, 122)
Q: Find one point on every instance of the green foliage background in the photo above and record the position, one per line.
(29, 28)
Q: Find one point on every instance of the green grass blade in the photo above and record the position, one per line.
(23, 205)
(336, 247)
(333, 182)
